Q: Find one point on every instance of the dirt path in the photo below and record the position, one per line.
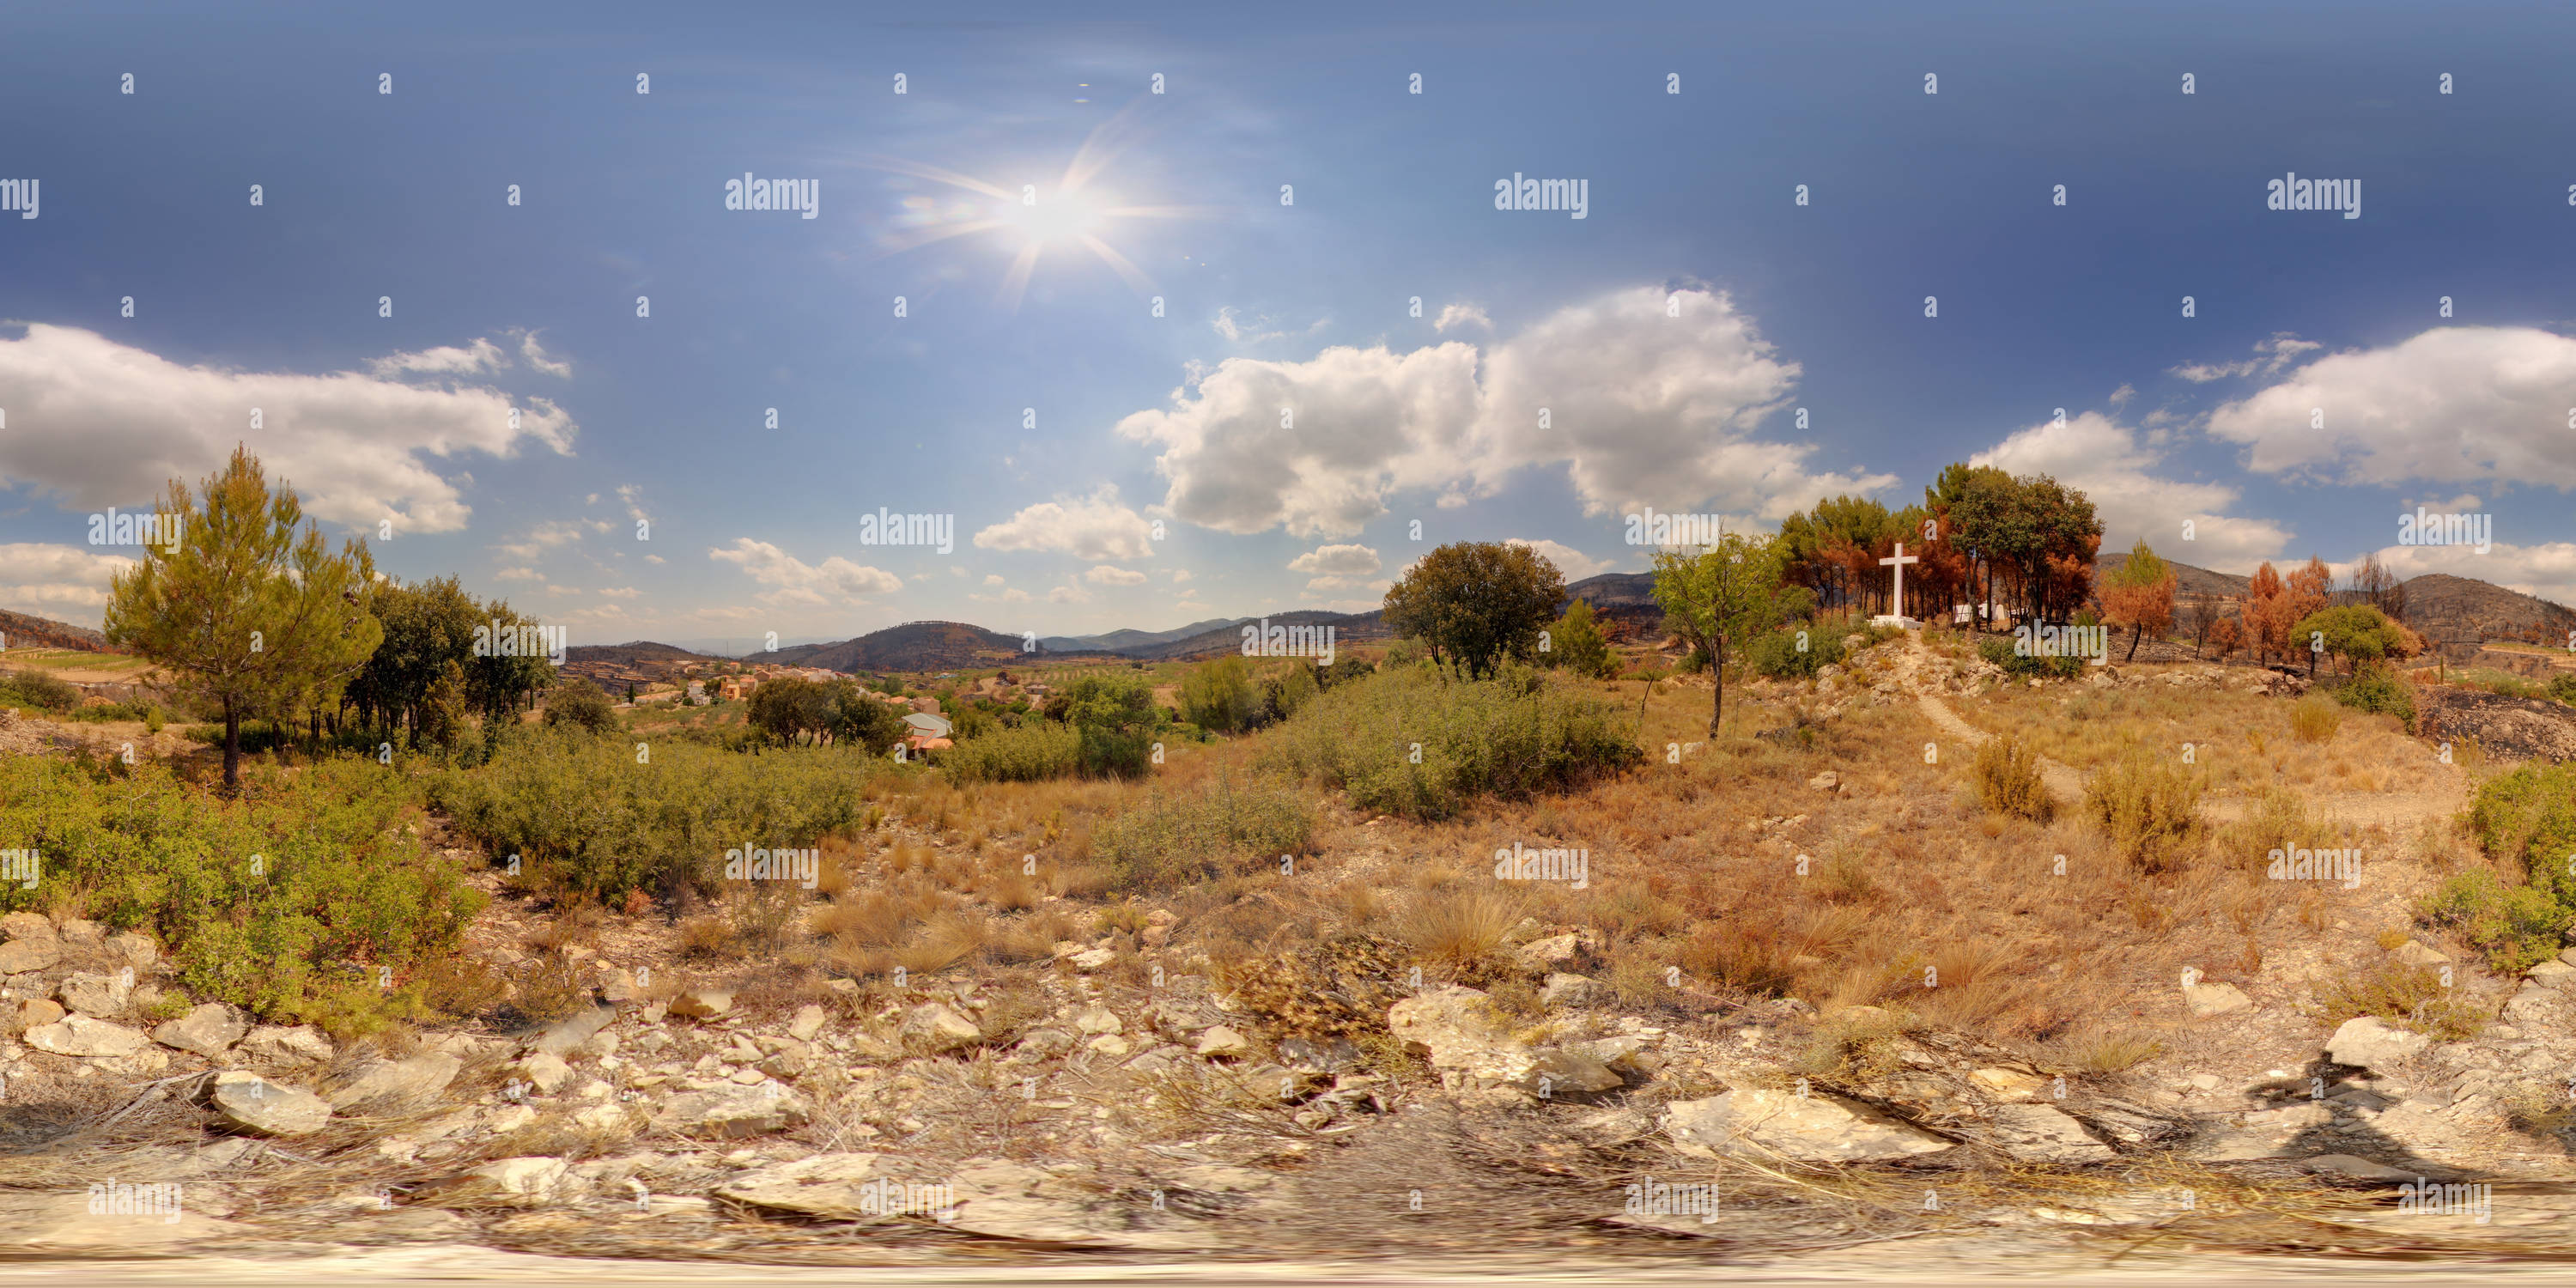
(2395, 811)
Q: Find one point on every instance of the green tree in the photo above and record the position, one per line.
(860, 717)
(1117, 718)
(582, 705)
(1217, 696)
(251, 617)
(1575, 643)
(1723, 596)
(1475, 602)
(2357, 633)
(789, 707)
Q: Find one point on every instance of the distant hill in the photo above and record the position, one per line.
(2450, 608)
(1616, 590)
(25, 631)
(1120, 641)
(1227, 637)
(2188, 580)
(913, 646)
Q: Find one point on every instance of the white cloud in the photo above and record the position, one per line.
(540, 538)
(1337, 561)
(619, 592)
(2106, 461)
(655, 559)
(834, 582)
(66, 583)
(537, 357)
(2280, 351)
(1575, 564)
(992, 579)
(518, 574)
(103, 423)
(2450, 405)
(1068, 594)
(1107, 575)
(1090, 529)
(633, 497)
(1642, 408)
(1461, 315)
(445, 360)
(1179, 575)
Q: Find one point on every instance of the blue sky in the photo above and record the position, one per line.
(1672, 334)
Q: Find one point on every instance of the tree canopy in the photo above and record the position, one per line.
(1477, 602)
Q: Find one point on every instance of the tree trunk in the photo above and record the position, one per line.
(1717, 672)
(232, 747)
(2139, 633)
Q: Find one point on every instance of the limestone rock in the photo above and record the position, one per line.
(1097, 1019)
(2044, 1134)
(2006, 1084)
(939, 1028)
(208, 1030)
(83, 1036)
(1812, 1128)
(703, 1003)
(2215, 999)
(301, 1044)
(395, 1086)
(2368, 1042)
(37, 1011)
(565, 1036)
(528, 1182)
(830, 1186)
(547, 1073)
(2554, 974)
(1219, 1040)
(134, 950)
(19, 956)
(254, 1104)
(1455, 1027)
(98, 994)
(731, 1112)
(2417, 953)
(26, 925)
(808, 1022)
(1562, 989)
(1553, 951)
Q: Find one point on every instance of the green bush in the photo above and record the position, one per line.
(1507, 736)
(2529, 817)
(584, 816)
(28, 687)
(286, 901)
(580, 704)
(2563, 688)
(1999, 651)
(1038, 750)
(1779, 656)
(2376, 686)
(1174, 839)
(2148, 806)
(2516, 926)
(1219, 696)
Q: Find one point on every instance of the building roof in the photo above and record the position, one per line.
(923, 722)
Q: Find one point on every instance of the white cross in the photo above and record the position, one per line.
(1897, 606)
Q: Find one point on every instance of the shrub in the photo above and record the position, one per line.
(1796, 653)
(2516, 926)
(2009, 782)
(1116, 718)
(2413, 996)
(1033, 752)
(2376, 687)
(338, 889)
(2313, 719)
(28, 687)
(2529, 817)
(1508, 736)
(2148, 807)
(585, 817)
(580, 704)
(1174, 839)
(1218, 695)
(2003, 653)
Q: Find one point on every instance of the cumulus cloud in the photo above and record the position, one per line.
(1639, 406)
(1111, 575)
(2273, 354)
(446, 360)
(536, 356)
(101, 423)
(834, 582)
(619, 592)
(66, 583)
(1068, 594)
(2106, 460)
(1575, 564)
(1092, 529)
(1337, 561)
(1461, 315)
(2451, 405)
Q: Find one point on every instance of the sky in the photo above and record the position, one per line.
(1164, 313)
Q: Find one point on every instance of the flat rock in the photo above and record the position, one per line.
(1555, 950)
(2554, 974)
(37, 1011)
(703, 1003)
(939, 1027)
(1812, 1128)
(63, 1221)
(395, 1086)
(95, 993)
(731, 1111)
(1097, 1019)
(2008, 1084)
(547, 1073)
(207, 1030)
(831, 1186)
(301, 1044)
(2044, 1134)
(2215, 999)
(2415, 952)
(1015, 1201)
(808, 1022)
(2368, 1042)
(20, 956)
(2357, 1168)
(526, 1182)
(566, 1035)
(1218, 1040)
(254, 1104)
(83, 1036)
(26, 925)
(1456, 1028)
(1563, 989)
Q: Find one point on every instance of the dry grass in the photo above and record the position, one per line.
(2315, 718)
(2009, 783)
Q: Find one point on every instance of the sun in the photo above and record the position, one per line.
(1070, 214)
